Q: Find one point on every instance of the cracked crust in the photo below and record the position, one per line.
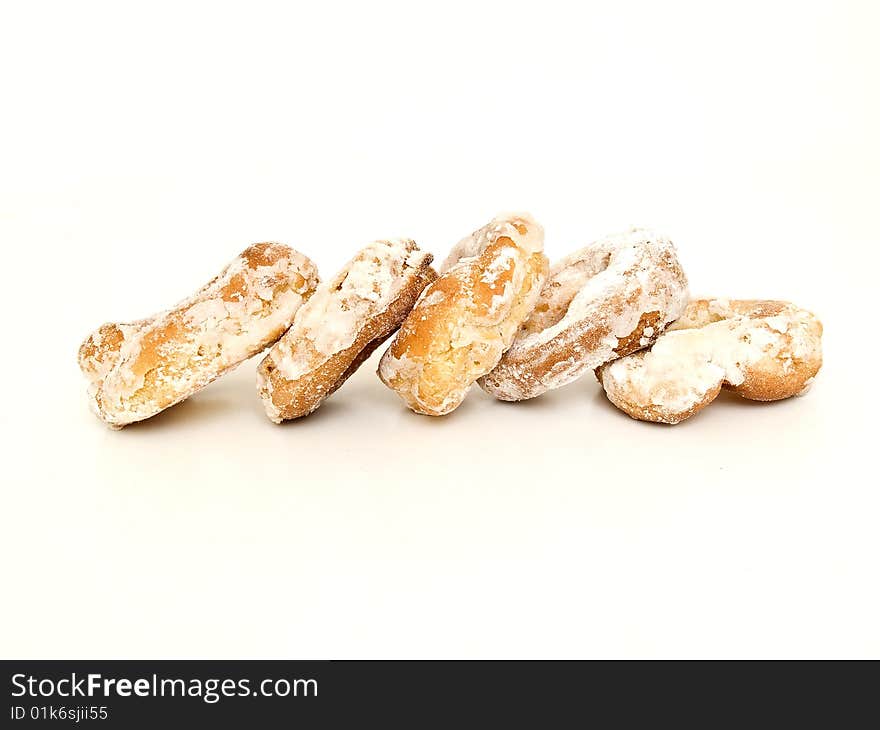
(603, 302)
(341, 325)
(137, 369)
(464, 321)
(759, 349)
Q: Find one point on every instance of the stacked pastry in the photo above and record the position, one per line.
(495, 315)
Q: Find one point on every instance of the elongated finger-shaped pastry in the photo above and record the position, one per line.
(761, 350)
(138, 369)
(341, 325)
(600, 303)
(465, 320)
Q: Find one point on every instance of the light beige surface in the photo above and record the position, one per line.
(556, 527)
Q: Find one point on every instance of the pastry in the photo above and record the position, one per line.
(600, 303)
(137, 369)
(760, 350)
(466, 319)
(346, 319)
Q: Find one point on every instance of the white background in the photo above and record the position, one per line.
(142, 146)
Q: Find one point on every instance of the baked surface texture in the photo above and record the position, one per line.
(137, 369)
(602, 302)
(760, 349)
(466, 319)
(345, 320)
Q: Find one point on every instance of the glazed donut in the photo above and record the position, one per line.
(465, 320)
(137, 369)
(761, 350)
(600, 303)
(346, 319)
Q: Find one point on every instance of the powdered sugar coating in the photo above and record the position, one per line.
(601, 302)
(465, 320)
(762, 350)
(521, 227)
(138, 369)
(331, 322)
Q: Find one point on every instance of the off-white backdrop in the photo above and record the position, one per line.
(143, 145)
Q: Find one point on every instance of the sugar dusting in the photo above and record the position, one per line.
(464, 329)
(519, 227)
(593, 301)
(159, 361)
(331, 321)
(716, 343)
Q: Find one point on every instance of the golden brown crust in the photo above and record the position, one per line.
(759, 349)
(380, 284)
(465, 320)
(135, 370)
